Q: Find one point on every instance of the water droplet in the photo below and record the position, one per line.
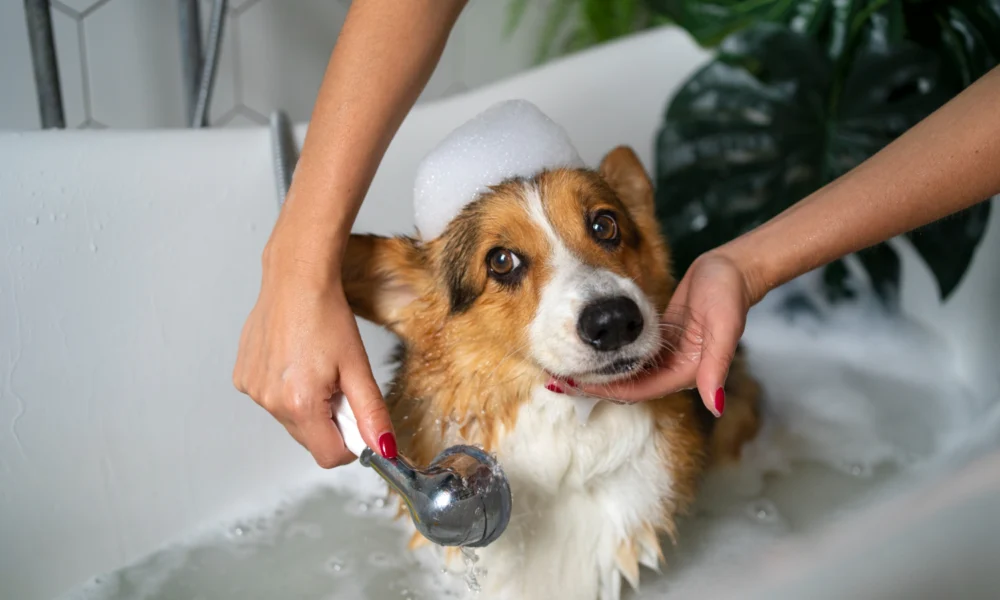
(335, 566)
(238, 531)
(363, 506)
(437, 421)
(763, 510)
(380, 560)
(857, 469)
(33, 220)
(379, 503)
(93, 247)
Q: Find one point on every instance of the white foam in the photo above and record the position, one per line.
(511, 139)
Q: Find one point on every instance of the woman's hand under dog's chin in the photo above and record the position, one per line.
(702, 327)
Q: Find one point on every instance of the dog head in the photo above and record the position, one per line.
(564, 274)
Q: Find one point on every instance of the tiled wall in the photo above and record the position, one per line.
(120, 60)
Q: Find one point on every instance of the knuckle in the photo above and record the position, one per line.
(329, 461)
(239, 382)
(299, 406)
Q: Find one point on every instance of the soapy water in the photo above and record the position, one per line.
(856, 407)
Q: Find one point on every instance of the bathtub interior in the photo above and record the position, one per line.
(856, 462)
(131, 260)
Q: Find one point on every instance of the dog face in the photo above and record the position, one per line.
(565, 274)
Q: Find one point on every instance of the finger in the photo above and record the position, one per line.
(363, 394)
(719, 348)
(320, 436)
(663, 381)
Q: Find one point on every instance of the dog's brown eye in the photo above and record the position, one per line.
(502, 261)
(604, 228)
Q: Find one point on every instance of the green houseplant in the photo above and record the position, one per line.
(799, 92)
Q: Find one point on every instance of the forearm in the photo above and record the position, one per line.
(384, 56)
(946, 163)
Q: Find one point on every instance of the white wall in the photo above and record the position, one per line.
(120, 60)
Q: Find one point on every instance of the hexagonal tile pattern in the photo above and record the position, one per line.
(285, 53)
(19, 108)
(120, 60)
(134, 61)
(243, 117)
(80, 7)
(65, 29)
(241, 5)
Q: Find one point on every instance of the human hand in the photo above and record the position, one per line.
(299, 347)
(702, 326)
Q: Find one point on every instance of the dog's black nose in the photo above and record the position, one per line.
(610, 323)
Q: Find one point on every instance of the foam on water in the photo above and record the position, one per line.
(511, 139)
(857, 407)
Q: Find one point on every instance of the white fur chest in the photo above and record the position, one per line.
(581, 490)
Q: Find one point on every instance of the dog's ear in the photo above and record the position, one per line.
(623, 171)
(382, 276)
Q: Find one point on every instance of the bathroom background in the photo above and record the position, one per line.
(120, 60)
(800, 92)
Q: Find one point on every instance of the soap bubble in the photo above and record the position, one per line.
(511, 139)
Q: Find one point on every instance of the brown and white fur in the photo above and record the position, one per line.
(591, 498)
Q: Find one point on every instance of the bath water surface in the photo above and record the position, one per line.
(855, 408)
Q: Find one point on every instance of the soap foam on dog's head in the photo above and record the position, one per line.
(510, 140)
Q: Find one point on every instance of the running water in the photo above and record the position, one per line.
(472, 573)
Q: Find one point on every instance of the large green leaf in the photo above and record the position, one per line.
(966, 32)
(774, 118)
(710, 21)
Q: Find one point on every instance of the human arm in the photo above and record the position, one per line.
(946, 163)
(301, 344)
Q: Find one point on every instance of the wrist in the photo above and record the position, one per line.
(749, 259)
(307, 244)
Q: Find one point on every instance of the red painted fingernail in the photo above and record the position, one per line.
(720, 401)
(387, 444)
(552, 387)
(571, 383)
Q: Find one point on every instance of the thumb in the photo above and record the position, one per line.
(718, 350)
(365, 398)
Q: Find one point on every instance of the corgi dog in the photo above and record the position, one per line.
(541, 281)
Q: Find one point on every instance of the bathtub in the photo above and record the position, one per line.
(131, 258)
